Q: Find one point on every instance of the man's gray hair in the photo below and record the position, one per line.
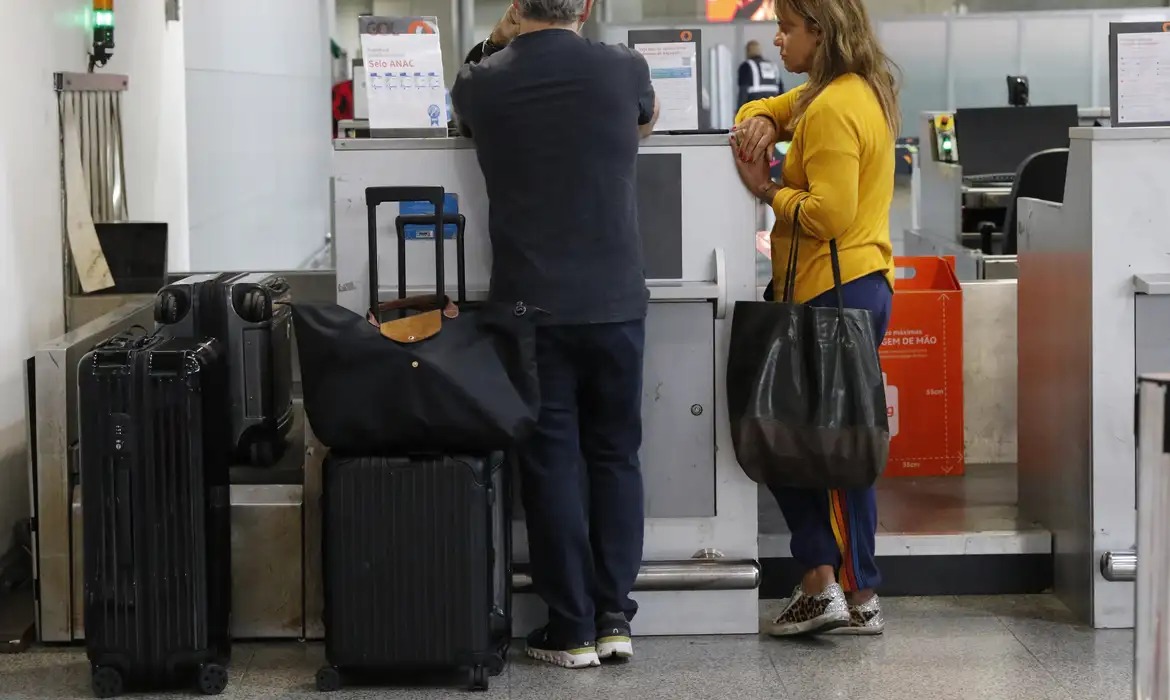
(559, 11)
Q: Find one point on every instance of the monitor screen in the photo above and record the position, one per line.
(995, 140)
(740, 10)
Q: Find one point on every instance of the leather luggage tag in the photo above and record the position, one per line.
(419, 327)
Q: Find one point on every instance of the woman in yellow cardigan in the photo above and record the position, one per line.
(838, 177)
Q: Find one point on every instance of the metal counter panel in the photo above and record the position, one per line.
(990, 374)
(678, 411)
(267, 555)
(55, 392)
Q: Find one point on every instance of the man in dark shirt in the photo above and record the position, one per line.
(556, 120)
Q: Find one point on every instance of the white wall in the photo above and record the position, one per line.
(48, 37)
(258, 131)
(154, 122)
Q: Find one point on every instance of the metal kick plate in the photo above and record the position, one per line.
(268, 599)
(267, 578)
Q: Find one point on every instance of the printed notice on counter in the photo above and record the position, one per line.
(1143, 78)
(674, 75)
(404, 73)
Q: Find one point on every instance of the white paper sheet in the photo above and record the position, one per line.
(404, 81)
(1143, 78)
(674, 75)
(92, 269)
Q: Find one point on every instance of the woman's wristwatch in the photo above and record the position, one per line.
(767, 192)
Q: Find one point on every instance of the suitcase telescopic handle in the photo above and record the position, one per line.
(460, 222)
(383, 195)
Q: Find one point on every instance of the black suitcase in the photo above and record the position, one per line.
(417, 566)
(155, 509)
(250, 314)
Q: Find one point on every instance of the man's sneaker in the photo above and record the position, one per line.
(805, 614)
(865, 619)
(613, 637)
(543, 647)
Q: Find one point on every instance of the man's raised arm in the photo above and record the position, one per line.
(645, 130)
(647, 101)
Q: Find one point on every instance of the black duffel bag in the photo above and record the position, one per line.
(420, 374)
(804, 391)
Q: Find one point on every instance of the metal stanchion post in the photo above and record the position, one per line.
(1152, 626)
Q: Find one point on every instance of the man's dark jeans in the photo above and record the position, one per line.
(580, 478)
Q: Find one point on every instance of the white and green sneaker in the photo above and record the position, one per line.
(543, 647)
(613, 637)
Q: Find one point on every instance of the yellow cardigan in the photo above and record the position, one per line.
(840, 170)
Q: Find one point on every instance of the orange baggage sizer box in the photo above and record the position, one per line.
(922, 359)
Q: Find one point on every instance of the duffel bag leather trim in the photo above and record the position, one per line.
(418, 327)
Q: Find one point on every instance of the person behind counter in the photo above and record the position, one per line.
(758, 77)
(556, 120)
(839, 171)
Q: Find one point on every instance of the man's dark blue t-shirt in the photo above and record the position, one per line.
(554, 117)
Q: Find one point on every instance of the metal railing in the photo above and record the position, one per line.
(681, 575)
(1152, 624)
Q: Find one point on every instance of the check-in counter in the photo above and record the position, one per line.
(1093, 312)
(698, 225)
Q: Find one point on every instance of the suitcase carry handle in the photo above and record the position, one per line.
(460, 222)
(383, 195)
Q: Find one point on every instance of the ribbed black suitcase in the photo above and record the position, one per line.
(250, 314)
(155, 510)
(417, 566)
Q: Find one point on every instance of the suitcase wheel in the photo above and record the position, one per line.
(328, 679)
(107, 682)
(479, 678)
(212, 679)
(254, 306)
(496, 664)
(168, 307)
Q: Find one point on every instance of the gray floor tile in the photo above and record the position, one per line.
(695, 668)
(1090, 664)
(939, 648)
(45, 673)
(945, 648)
(288, 671)
(919, 657)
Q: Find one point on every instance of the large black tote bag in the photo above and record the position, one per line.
(422, 374)
(804, 391)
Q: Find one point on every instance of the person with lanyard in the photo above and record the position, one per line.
(557, 120)
(758, 77)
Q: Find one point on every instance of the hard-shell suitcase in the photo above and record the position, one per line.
(417, 566)
(250, 314)
(155, 509)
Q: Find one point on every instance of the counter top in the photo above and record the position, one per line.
(444, 144)
(1131, 133)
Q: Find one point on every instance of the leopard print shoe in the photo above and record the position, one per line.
(864, 620)
(817, 614)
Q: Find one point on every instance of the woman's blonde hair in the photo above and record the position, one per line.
(848, 45)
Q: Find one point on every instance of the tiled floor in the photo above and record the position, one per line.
(1015, 648)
